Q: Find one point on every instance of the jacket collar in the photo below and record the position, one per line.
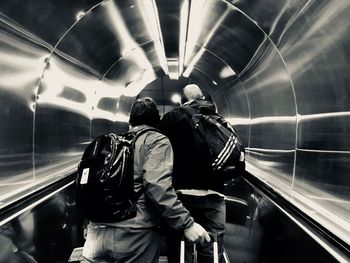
(201, 103)
(188, 102)
(139, 127)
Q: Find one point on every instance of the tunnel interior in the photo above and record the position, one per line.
(277, 70)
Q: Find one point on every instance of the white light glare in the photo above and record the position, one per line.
(79, 15)
(175, 98)
(227, 72)
(194, 61)
(151, 18)
(139, 82)
(183, 34)
(198, 12)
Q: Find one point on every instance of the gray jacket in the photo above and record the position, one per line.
(153, 164)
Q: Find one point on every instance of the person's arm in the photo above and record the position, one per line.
(158, 182)
(166, 124)
(158, 187)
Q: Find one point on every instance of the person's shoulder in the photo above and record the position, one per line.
(155, 134)
(175, 111)
(145, 131)
(155, 139)
(148, 135)
(173, 115)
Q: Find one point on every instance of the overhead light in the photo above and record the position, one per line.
(175, 98)
(149, 13)
(183, 33)
(198, 12)
(192, 18)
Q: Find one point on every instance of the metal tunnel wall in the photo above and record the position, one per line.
(69, 70)
(298, 103)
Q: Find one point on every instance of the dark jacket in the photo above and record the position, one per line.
(190, 170)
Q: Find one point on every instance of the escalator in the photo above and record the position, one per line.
(261, 227)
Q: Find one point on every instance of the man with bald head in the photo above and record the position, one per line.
(191, 92)
(200, 192)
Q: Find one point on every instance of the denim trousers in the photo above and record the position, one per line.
(121, 245)
(208, 211)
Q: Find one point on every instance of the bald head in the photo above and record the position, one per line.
(191, 92)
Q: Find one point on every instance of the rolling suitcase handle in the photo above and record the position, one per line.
(215, 249)
(182, 249)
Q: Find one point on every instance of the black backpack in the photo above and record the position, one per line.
(105, 183)
(217, 141)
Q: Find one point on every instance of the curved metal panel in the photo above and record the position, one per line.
(273, 117)
(322, 86)
(226, 33)
(107, 33)
(46, 19)
(312, 49)
(62, 117)
(22, 59)
(315, 49)
(216, 68)
(95, 40)
(238, 109)
(273, 17)
(141, 61)
(272, 103)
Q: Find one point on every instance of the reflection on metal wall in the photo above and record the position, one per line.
(272, 116)
(317, 58)
(259, 231)
(22, 59)
(61, 85)
(47, 233)
(299, 102)
(289, 61)
(63, 106)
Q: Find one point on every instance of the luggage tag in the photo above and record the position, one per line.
(85, 176)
